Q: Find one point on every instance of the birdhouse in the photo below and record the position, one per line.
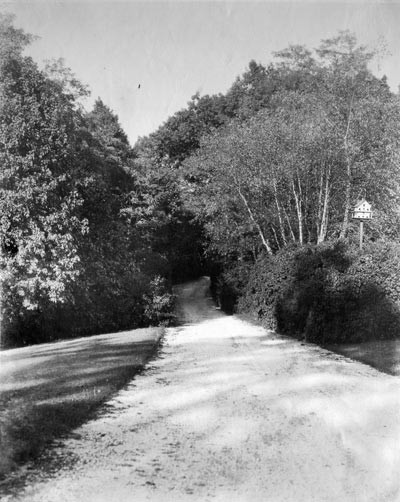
(362, 210)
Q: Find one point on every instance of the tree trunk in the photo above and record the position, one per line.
(299, 213)
(325, 211)
(278, 207)
(264, 240)
(347, 196)
(276, 237)
(347, 200)
(320, 205)
(290, 226)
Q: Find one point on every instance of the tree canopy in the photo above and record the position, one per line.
(94, 232)
(295, 159)
(72, 260)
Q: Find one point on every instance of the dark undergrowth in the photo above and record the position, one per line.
(331, 293)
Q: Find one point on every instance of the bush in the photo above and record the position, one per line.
(131, 300)
(227, 286)
(267, 281)
(329, 293)
(159, 303)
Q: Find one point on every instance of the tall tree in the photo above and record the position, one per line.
(39, 199)
(283, 173)
(349, 86)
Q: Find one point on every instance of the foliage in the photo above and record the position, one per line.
(170, 226)
(228, 283)
(39, 199)
(267, 281)
(180, 135)
(252, 186)
(75, 259)
(328, 293)
(275, 165)
(291, 172)
(159, 302)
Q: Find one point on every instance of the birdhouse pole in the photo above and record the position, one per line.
(362, 212)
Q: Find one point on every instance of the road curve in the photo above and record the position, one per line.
(231, 412)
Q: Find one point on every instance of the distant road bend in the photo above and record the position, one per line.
(231, 412)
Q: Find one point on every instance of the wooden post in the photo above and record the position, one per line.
(361, 233)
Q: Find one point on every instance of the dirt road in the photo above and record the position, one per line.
(230, 412)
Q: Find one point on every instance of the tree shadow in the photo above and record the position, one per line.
(258, 369)
(67, 383)
(327, 301)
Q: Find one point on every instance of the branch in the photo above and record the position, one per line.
(260, 232)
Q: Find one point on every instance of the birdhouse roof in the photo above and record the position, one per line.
(361, 202)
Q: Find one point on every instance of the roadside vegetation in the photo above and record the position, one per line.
(330, 293)
(254, 187)
(81, 224)
(272, 170)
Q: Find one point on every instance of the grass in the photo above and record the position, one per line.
(47, 390)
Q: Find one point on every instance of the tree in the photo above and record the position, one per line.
(284, 172)
(39, 199)
(76, 258)
(180, 135)
(349, 89)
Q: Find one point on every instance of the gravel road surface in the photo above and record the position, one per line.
(231, 412)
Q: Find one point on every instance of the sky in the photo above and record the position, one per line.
(175, 49)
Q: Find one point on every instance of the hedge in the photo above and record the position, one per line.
(331, 293)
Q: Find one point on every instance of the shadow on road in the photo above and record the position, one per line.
(48, 390)
(230, 410)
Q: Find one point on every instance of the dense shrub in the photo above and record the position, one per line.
(136, 301)
(328, 293)
(267, 281)
(159, 303)
(228, 284)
